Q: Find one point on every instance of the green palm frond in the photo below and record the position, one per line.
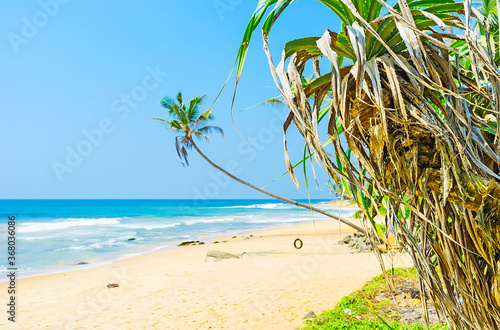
(187, 120)
(210, 129)
(203, 118)
(193, 106)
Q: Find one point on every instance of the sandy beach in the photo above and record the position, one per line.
(272, 286)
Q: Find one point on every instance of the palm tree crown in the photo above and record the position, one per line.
(186, 118)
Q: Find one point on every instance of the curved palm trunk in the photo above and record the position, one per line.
(284, 199)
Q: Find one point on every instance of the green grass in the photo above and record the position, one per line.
(364, 313)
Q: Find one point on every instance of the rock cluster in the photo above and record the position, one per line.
(357, 242)
(189, 243)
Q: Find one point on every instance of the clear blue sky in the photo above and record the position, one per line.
(86, 77)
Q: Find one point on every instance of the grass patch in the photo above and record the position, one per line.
(376, 307)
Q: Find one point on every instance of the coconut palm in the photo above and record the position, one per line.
(188, 121)
(421, 118)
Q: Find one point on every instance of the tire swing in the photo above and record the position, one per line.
(298, 244)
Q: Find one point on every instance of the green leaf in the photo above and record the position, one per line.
(305, 44)
(489, 129)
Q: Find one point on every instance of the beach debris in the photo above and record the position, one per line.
(357, 242)
(189, 243)
(82, 263)
(244, 254)
(309, 315)
(113, 285)
(234, 237)
(219, 255)
(216, 242)
(250, 236)
(347, 311)
(246, 237)
(131, 239)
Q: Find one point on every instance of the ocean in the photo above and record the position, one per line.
(57, 235)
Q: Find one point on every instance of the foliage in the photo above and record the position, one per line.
(187, 120)
(363, 314)
(413, 95)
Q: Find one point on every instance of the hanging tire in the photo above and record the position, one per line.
(298, 244)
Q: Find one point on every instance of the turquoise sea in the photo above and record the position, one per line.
(56, 235)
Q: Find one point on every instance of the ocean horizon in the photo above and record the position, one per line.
(67, 234)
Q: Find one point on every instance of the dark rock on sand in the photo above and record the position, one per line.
(189, 243)
(362, 248)
(186, 243)
(309, 315)
(82, 263)
(345, 240)
(132, 239)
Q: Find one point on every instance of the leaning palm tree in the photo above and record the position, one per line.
(190, 123)
(415, 91)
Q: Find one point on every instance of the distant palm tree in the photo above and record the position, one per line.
(188, 121)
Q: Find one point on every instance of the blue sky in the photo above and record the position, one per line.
(80, 81)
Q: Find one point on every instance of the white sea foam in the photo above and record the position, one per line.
(274, 206)
(279, 220)
(111, 243)
(266, 206)
(33, 238)
(174, 237)
(149, 226)
(60, 225)
(210, 220)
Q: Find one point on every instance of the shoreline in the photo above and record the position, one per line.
(271, 286)
(158, 248)
(210, 237)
